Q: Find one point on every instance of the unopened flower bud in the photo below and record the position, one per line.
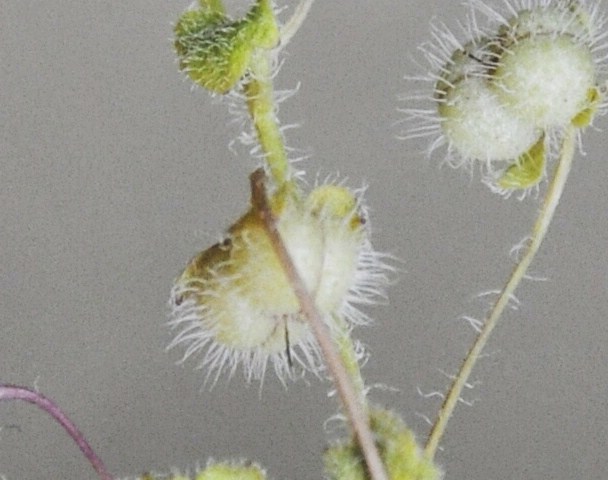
(215, 51)
(400, 453)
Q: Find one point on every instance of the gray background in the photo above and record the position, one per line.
(114, 173)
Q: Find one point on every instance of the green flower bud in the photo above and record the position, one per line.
(215, 51)
(224, 471)
(218, 471)
(402, 457)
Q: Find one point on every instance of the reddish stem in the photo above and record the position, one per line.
(14, 392)
(351, 401)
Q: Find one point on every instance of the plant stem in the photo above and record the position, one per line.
(352, 402)
(539, 231)
(348, 356)
(13, 392)
(260, 102)
(295, 22)
(341, 361)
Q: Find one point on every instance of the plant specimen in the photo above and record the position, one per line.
(284, 286)
(507, 100)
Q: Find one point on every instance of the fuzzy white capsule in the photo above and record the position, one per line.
(526, 77)
(546, 69)
(480, 127)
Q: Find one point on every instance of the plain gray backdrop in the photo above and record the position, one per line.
(114, 172)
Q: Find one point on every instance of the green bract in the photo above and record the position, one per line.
(527, 171)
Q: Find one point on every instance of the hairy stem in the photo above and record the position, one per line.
(348, 356)
(260, 102)
(539, 231)
(355, 410)
(14, 392)
(295, 22)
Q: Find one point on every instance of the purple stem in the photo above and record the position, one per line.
(353, 406)
(15, 392)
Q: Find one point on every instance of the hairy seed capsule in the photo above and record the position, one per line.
(545, 80)
(479, 127)
(235, 302)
